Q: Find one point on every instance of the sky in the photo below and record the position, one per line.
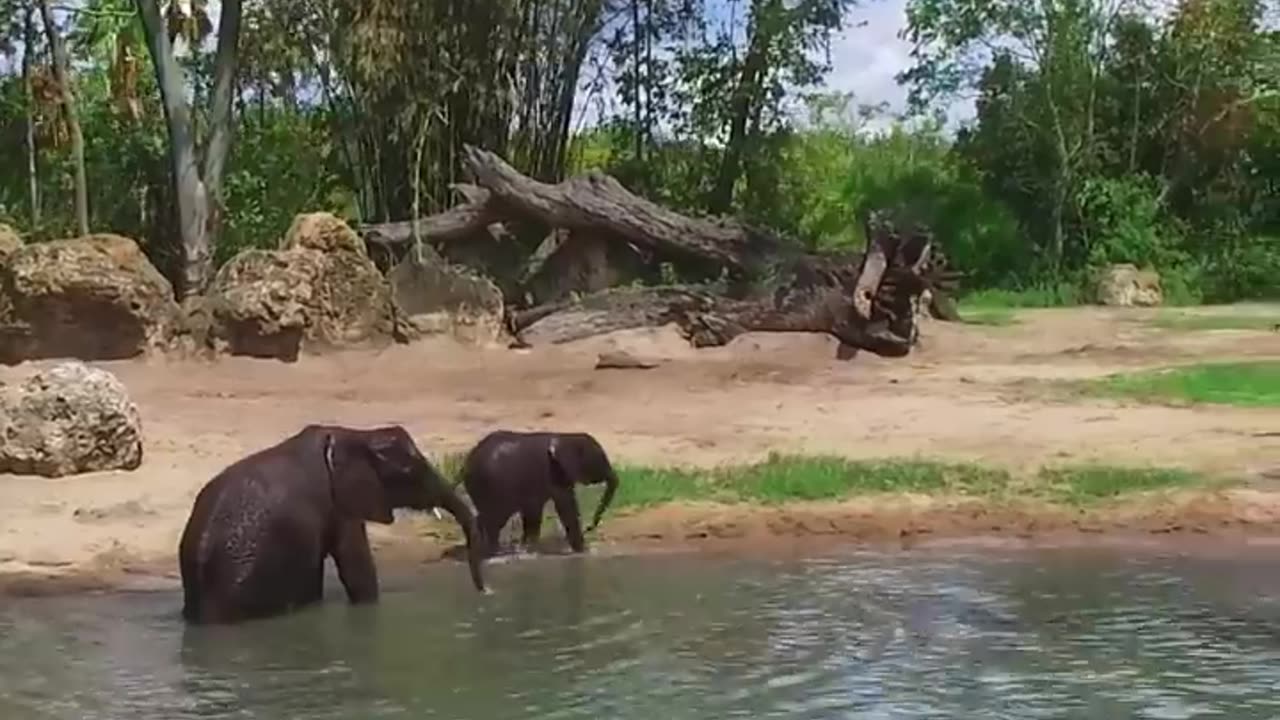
(865, 57)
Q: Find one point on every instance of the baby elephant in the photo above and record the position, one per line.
(508, 472)
(260, 530)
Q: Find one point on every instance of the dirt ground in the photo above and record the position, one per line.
(961, 396)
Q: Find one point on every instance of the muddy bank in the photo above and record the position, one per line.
(1191, 521)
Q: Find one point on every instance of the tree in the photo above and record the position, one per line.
(28, 95)
(197, 185)
(62, 75)
(1043, 83)
(781, 40)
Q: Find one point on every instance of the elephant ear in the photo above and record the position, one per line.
(567, 465)
(357, 489)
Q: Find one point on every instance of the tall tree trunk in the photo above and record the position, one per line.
(33, 169)
(1057, 231)
(61, 73)
(198, 194)
(637, 98)
(559, 141)
(221, 128)
(745, 96)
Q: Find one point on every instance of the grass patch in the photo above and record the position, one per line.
(790, 477)
(1039, 296)
(450, 465)
(1089, 484)
(1195, 321)
(1245, 384)
(795, 478)
(994, 317)
(781, 479)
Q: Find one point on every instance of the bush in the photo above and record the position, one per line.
(1247, 268)
(835, 177)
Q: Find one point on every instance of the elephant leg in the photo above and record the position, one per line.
(566, 504)
(490, 524)
(192, 593)
(354, 559)
(531, 526)
(315, 591)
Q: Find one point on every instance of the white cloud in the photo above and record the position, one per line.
(868, 54)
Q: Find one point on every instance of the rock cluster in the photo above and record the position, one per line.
(319, 289)
(99, 298)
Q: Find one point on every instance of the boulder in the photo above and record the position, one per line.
(68, 419)
(324, 232)
(261, 303)
(9, 242)
(1124, 285)
(94, 298)
(440, 298)
(319, 290)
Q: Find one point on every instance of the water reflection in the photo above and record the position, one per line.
(1064, 634)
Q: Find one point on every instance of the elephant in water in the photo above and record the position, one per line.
(508, 472)
(260, 530)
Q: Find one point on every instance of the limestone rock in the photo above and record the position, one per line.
(259, 303)
(68, 419)
(324, 232)
(94, 298)
(9, 242)
(319, 290)
(440, 298)
(192, 336)
(1124, 285)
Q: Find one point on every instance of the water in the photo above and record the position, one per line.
(1061, 634)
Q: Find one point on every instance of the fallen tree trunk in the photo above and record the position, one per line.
(866, 300)
(705, 318)
(592, 202)
(474, 214)
(811, 294)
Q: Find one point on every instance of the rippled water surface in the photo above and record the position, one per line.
(1061, 634)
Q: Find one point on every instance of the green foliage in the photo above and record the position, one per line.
(284, 166)
(1117, 137)
(1121, 223)
(1245, 266)
(1247, 384)
(1061, 294)
(1104, 133)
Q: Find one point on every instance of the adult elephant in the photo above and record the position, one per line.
(509, 472)
(260, 530)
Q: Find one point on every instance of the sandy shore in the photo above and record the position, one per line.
(963, 396)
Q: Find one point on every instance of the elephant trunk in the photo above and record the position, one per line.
(461, 512)
(611, 487)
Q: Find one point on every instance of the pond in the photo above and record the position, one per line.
(911, 634)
